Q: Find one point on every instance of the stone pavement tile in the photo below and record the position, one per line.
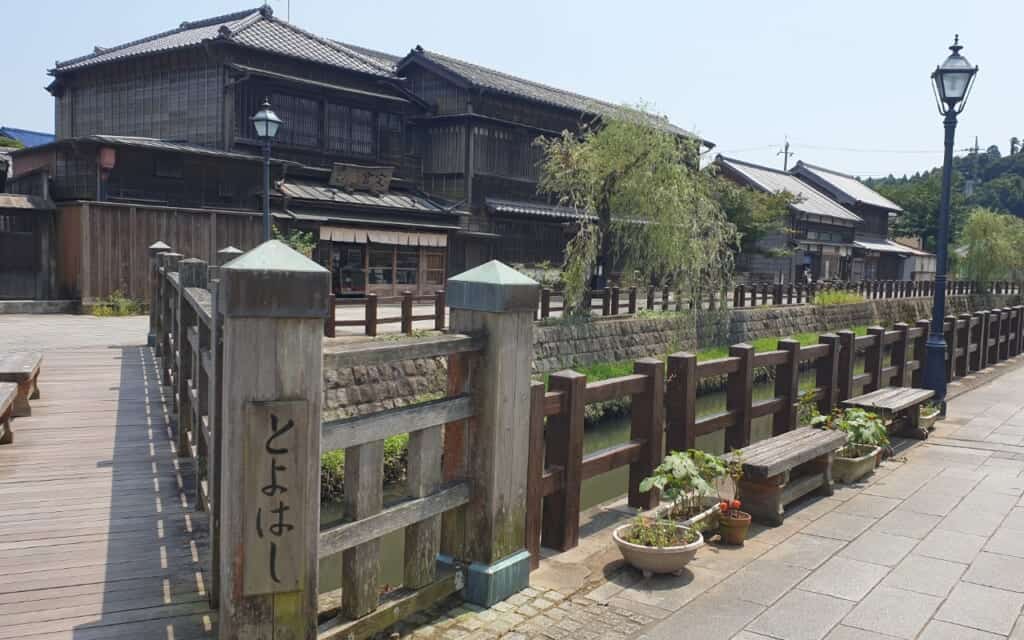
(804, 551)
(750, 635)
(801, 615)
(614, 585)
(896, 485)
(979, 607)
(994, 570)
(936, 502)
(844, 578)
(811, 508)
(967, 519)
(907, 524)
(879, 548)
(950, 545)
(1015, 520)
(1003, 438)
(843, 632)
(922, 574)
(727, 558)
(1007, 542)
(671, 592)
(774, 535)
(709, 617)
(868, 506)
(839, 526)
(939, 630)
(992, 500)
(654, 613)
(893, 611)
(762, 581)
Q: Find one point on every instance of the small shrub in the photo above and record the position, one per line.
(686, 478)
(659, 533)
(862, 428)
(117, 304)
(829, 298)
(332, 467)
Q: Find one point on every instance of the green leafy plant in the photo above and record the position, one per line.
(686, 478)
(301, 241)
(115, 305)
(929, 408)
(659, 533)
(861, 427)
(829, 298)
(807, 407)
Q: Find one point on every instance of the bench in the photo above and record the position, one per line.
(780, 469)
(22, 368)
(896, 405)
(8, 391)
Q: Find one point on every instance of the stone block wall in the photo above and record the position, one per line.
(361, 390)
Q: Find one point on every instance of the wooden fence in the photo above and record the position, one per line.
(664, 404)
(241, 348)
(371, 319)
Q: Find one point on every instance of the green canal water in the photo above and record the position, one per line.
(596, 490)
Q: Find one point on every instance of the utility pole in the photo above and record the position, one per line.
(785, 153)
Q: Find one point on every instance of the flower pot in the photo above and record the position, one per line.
(927, 421)
(732, 527)
(850, 470)
(651, 560)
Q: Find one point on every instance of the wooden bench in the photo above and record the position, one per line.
(8, 391)
(22, 368)
(778, 470)
(900, 407)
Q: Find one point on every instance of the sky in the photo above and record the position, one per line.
(846, 82)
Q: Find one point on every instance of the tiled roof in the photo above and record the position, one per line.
(845, 185)
(26, 137)
(492, 80)
(517, 207)
(395, 200)
(809, 200)
(884, 245)
(254, 28)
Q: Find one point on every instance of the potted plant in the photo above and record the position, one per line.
(866, 438)
(688, 480)
(658, 545)
(929, 414)
(733, 523)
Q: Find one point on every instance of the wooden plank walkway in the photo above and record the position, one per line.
(98, 535)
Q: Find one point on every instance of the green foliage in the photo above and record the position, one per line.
(829, 298)
(807, 407)
(302, 241)
(862, 428)
(686, 478)
(332, 467)
(755, 214)
(993, 244)
(919, 197)
(654, 210)
(117, 304)
(659, 533)
(10, 143)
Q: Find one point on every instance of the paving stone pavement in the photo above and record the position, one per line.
(930, 546)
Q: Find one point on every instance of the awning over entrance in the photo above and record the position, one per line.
(400, 238)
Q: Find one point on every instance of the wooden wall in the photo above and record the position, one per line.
(113, 240)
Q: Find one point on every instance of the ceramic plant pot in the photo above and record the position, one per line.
(651, 560)
(927, 420)
(732, 527)
(850, 470)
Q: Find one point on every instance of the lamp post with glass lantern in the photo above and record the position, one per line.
(266, 124)
(951, 82)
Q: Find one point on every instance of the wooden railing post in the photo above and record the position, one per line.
(563, 441)
(270, 490)
(1018, 324)
(664, 299)
(407, 313)
(826, 372)
(920, 352)
(606, 301)
(787, 385)
(847, 359)
(650, 298)
(995, 320)
(439, 310)
(191, 273)
(951, 345)
(155, 250)
(777, 294)
(647, 422)
(632, 301)
(371, 314)
(535, 474)
(741, 295)
(227, 254)
(168, 296)
(963, 341)
(873, 359)
(739, 394)
(899, 354)
(614, 291)
(681, 402)
(982, 337)
(215, 411)
(330, 323)
(497, 301)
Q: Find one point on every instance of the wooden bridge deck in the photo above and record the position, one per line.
(98, 538)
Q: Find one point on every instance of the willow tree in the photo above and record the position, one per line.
(992, 242)
(649, 209)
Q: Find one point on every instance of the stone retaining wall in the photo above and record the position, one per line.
(361, 390)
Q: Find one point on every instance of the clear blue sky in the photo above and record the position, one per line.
(849, 76)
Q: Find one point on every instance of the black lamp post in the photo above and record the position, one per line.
(951, 82)
(266, 123)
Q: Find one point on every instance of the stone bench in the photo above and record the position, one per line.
(22, 368)
(8, 391)
(780, 469)
(897, 406)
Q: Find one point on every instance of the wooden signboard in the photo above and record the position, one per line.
(354, 177)
(274, 530)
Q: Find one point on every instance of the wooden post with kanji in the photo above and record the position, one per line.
(274, 301)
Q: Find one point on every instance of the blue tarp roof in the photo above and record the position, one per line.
(26, 137)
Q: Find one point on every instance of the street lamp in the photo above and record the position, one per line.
(266, 123)
(951, 82)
